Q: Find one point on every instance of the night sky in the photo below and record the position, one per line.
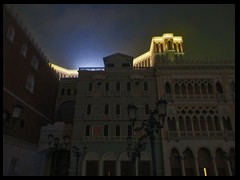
(80, 35)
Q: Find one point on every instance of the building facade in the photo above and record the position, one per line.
(198, 137)
(29, 83)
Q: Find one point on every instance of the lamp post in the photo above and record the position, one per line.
(151, 125)
(78, 154)
(54, 147)
(134, 154)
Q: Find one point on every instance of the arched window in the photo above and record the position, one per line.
(106, 130)
(106, 109)
(90, 86)
(171, 124)
(216, 124)
(75, 91)
(175, 163)
(146, 109)
(145, 86)
(30, 83)
(210, 123)
(62, 91)
(196, 89)
(11, 34)
(117, 109)
(168, 88)
(181, 124)
(129, 87)
(129, 130)
(190, 89)
(89, 109)
(34, 62)
(203, 124)
(177, 89)
(219, 88)
(117, 130)
(210, 89)
(195, 124)
(183, 89)
(24, 50)
(188, 124)
(87, 131)
(157, 48)
(204, 89)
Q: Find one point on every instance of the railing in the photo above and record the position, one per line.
(122, 139)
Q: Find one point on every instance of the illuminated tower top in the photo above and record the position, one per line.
(167, 47)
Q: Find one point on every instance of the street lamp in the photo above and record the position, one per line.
(78, 154)
(134, 154)
(55, 146)
(151, 125)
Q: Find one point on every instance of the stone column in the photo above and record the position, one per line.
(84, 163)
(100, 168)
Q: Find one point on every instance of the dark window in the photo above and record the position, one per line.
(219, 88)
(227, 124)
(87, 131)
(118, 109)
(75, 91)
(117, 130)
(107, 86)
(125, 65)
(110, 65)
(62, 91)
(146, 109)
(106, 109)
(68, 91)
(105, 130)
(118, 86)
(129, 87)
(129, 130)
(90, 86)
(168, 88)
(145, 86)
(22, 124)
(89, 109)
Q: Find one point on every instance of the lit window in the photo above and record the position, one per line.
(11, 34)
(30, 83)
(34, 62)
(24, 50)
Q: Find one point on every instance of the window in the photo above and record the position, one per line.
(89, 109)
(125, 65)
(30, 83)
(34, 62)
(62, 91)
(117, 109)
(219, 88)
(129, 87)
(22, 123)
(106, 130)
(118, 86)
(145, 86)
(168, 88)
(87, 131)
(129, 130)
(24, 50)
(227, 124)
(106, 109)
(75, 91)
(107, 86)
(117, 130)
(146, 109)
(110, 65)
(68, 91)
(90, 86)
(11, 34)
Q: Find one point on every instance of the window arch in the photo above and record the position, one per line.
(196, 89)
(188, 124)
(210, 123)
(210, 89)
(183, 89)
(177, 89)
(106, 130)
(24, 50)
(190, 89)
(203, 124)
(204, 89)
(168, 88)
(30, 83)
(117, 130)
(181, 124)
(219, 88)
(11, 34)
(195, 124)
(175, 163)
(89, 109)
(34, 62)
(87, 130)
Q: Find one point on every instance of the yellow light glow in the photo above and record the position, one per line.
(177, 39)
(167, 35)
(63, 70)
(141, 57)
(205, 171)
